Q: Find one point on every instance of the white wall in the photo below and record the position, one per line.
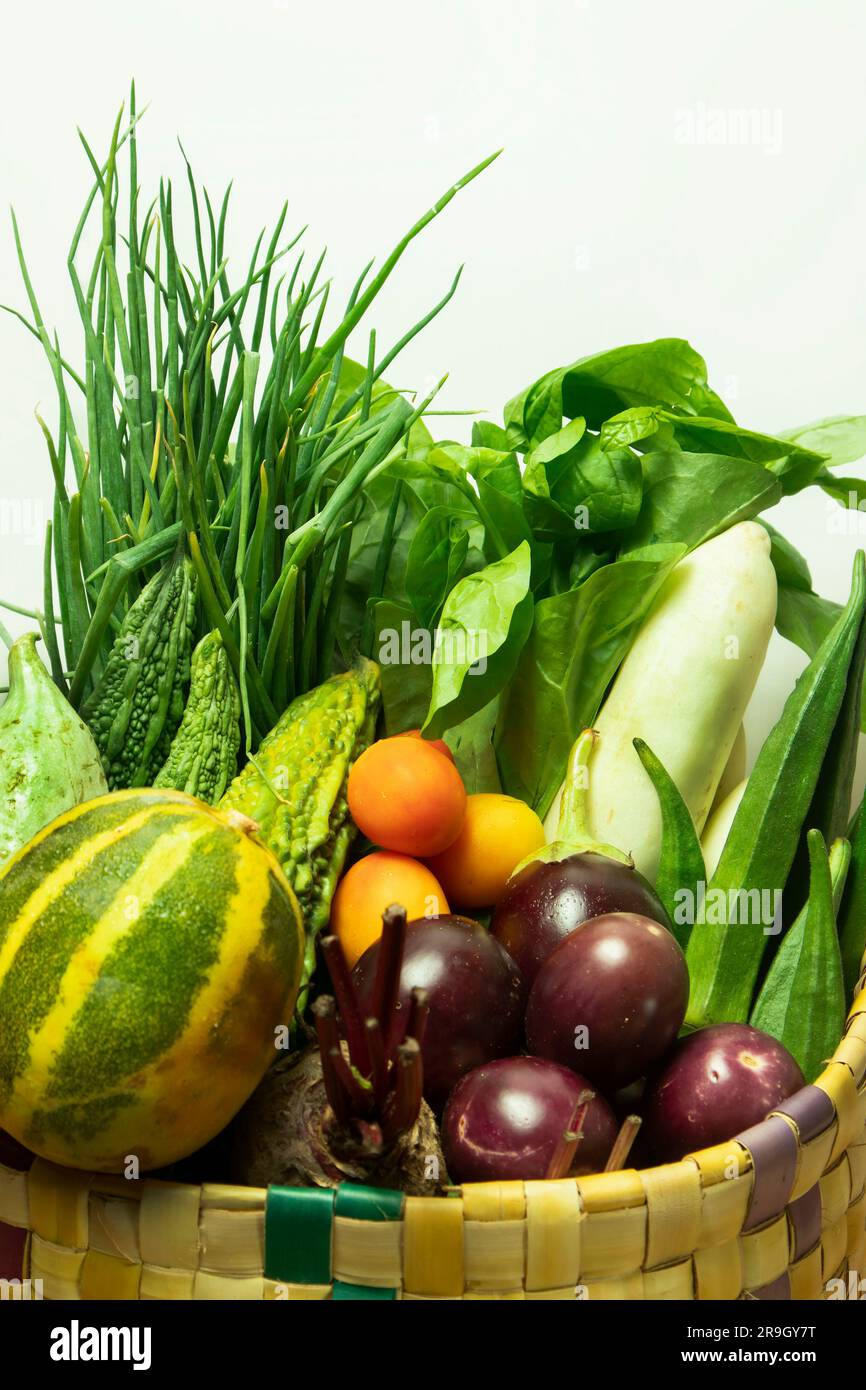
(610, 218)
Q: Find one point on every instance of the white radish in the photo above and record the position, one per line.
(683, 688)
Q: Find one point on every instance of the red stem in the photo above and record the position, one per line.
(386, 986)
(563, 1155)
(325, 1013)
(378, 1061)
(359, 1099)
(404, 1102)
(347, 1003)
(419, 1009)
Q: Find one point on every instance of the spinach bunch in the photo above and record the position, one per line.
(549, 537)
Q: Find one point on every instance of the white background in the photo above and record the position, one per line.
(612, 216)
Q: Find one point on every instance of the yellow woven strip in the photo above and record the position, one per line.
(613, 1243)
(433, 1246)
(834, 1247)
(719, 1272)
(495, 1295)
(58, 1204)
(294, 1293)
(628, 1289)
(174, 1284)
(814, 1158)
(765, 1253)
(221, 1287)
(168, 1229)
(852, 1052)
(493, 1201)
(368, 1252)
(611, 1191)
(806, 1277)
(726, 1182)
(232, 1242)
(114, 1227)
(57, 1267)
(232, 1198)
(14, 1204)
(113, 1185)
(856, 1222)
(857, 1163)
(102, 1276)
(674, 1282)
(553, 1235)
(565, 1295)
(837, 1081)
(495, 1254)
(673, 1201)
(835, 1188)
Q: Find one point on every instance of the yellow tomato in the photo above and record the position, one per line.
(498, 831)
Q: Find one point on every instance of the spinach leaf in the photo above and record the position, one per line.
(630, 426)
(691, 497)
(663, 372)
(403, 649)
(792, 568)
(840, 438)
(577, 642)
(471, 742)
(484, 624)
(435, 561)
(797, 467)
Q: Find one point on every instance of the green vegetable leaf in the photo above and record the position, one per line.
(681, 863)
(436, 557)
(691, 497)
(840, 438)
(471, 742)
(402, 649)
(630, 426)
(802, 1002)
(485, 622)
(578, 640)
(794, 465)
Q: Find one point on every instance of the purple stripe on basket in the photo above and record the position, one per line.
(805, 1218)
(774, 1149)
(12, 1242)
(779, 1290)
(812, 1111)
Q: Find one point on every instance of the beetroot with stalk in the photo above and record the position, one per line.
(717, 1082)
(475, 997)
(567, 882)
(610, 1000)
(506, 1120)
(350, 1109)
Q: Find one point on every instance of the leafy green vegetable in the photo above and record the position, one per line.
(484, 624)
(802, 1001)
(472, 745)
(435, 561)
(691, 497)
(681, 863)
(578, 640)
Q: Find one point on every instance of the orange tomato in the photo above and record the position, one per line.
(431, 742)
(498, 831)
(406, 797)
(371, 886)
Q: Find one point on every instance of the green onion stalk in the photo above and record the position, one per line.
(219, 420)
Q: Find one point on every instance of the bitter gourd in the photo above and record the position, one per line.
(204, 752)
(295, 790)
(136, 708)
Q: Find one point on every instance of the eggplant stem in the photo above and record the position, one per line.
(562, 1157)
(622, 1143)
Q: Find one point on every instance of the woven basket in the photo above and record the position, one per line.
(776, 1213)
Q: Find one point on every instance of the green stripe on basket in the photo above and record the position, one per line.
(298, 1228)
(361, 1291)
(368, 1203)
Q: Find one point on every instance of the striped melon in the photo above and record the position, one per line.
(150, 946)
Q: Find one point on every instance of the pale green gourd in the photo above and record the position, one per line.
(48, 759)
